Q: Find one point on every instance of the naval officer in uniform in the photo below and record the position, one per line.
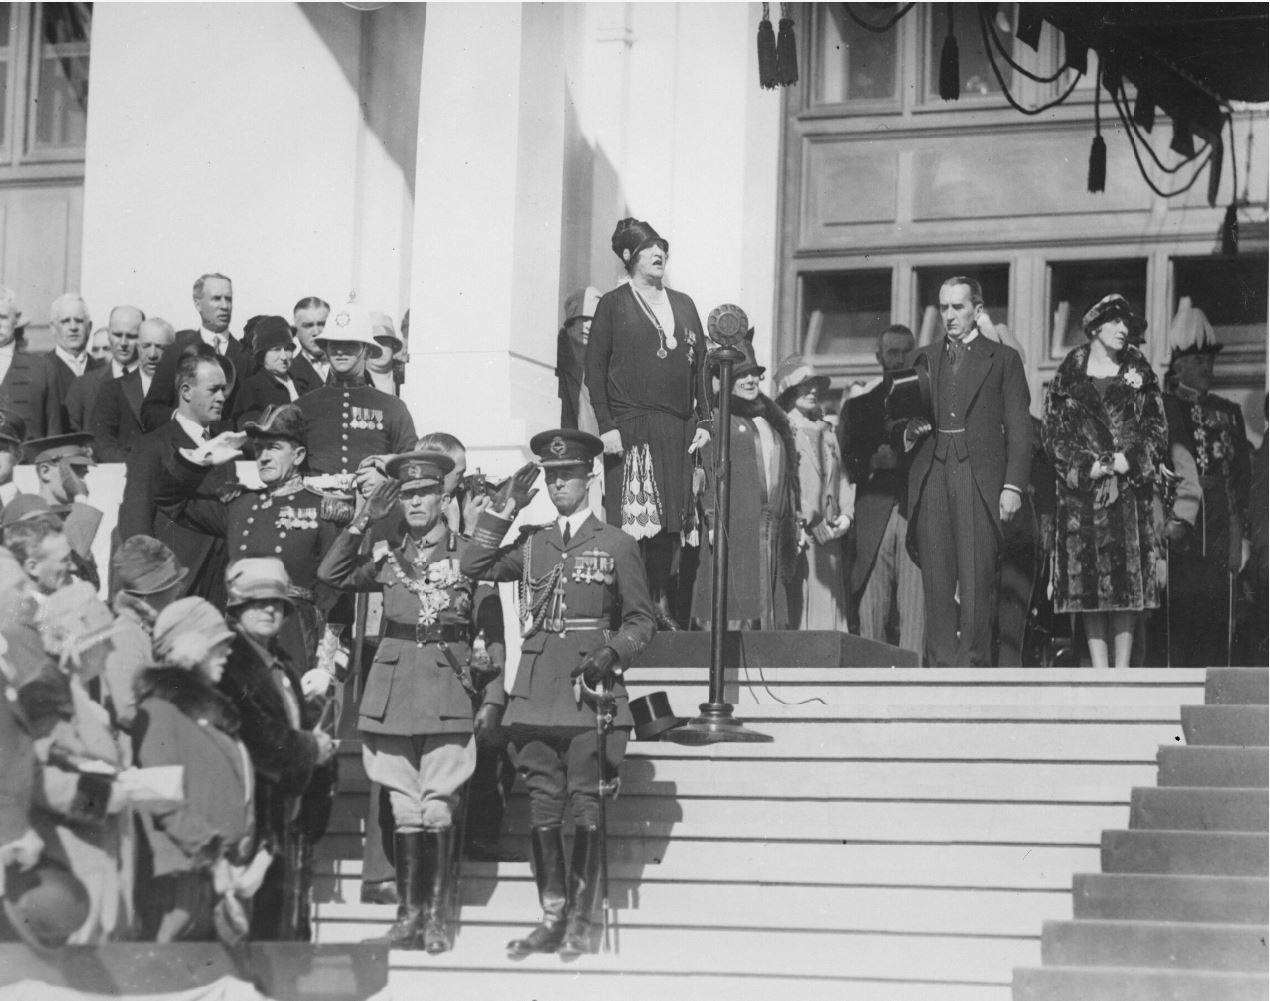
(585, 615)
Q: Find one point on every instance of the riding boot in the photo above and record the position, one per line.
(438, 873)
(407, 931)
(548, 862)
(584, 891)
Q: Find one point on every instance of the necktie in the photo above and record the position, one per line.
(220, 344)
(568, 533)
(956, 353)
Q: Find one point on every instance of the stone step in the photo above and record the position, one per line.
(1237, 686)
(551, 980)
(1056, 782)
(1033, 867)
(765, 952)
(1226, 726)
(1155, 944)
(1145, 897)
(762, 903)
(871, 686)
(1185, 852)
(683, 817)
(1065, 983)
(1183, 808)
(1241, 767)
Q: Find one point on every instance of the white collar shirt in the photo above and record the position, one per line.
(76, 363)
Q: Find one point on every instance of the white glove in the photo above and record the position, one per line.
(315, 682)
(24, 852)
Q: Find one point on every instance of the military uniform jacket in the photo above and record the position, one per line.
(411, 688)
(602, 587)
(348, 422)
(286, 522)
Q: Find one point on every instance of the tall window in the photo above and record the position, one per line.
(1077, 285)
(44, 49)
(843, 312)
(855, 65)
(1232, 294)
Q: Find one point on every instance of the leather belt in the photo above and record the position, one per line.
(951, 430)
(430, 634)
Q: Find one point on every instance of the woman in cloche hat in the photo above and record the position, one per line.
(1105, 433)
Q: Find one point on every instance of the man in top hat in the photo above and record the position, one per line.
(349, 419)
(588, 614)
(440, 649)
(146, 579)
(12, 433)
(576, 410)
(1205, 539)
(62, 463)
(966, 475)
(152, 493)
(275, 381)
(884, 581)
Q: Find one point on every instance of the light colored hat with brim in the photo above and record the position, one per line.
(257, 578)
(795, 371)
(581, 304)
(352, 323)
(187, 630)
(26, 506)
(384, 332)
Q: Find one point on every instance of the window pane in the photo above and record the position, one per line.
(854, 64)
(845, 311)
(6, 11)
(1077, 285)
(60, 111)
(994, 278)
(1232, 294)
(977, 78)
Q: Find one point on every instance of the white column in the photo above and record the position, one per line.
(486, 262)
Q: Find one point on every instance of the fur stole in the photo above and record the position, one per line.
(1134, 376)
(190, 693)
(765, 407)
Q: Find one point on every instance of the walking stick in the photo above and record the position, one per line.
(604, 706)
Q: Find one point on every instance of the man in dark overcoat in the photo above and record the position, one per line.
(966, 476)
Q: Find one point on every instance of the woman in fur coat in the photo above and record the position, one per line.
(1105, 432)
(763, 521)
(181, 719)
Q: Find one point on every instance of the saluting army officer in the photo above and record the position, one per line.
(416, 713)
(349, 419)
(586, 614)
(62, 463)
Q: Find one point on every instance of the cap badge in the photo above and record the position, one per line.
(415, 470)
(558, 446)
(343, 319)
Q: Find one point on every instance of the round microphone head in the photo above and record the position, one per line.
(727, 325)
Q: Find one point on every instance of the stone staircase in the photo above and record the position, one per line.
(1179, 910)
(905, 836)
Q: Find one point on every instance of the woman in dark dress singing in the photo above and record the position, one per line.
(643, 366)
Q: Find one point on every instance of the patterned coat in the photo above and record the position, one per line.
(601, 586)
(1106, 547)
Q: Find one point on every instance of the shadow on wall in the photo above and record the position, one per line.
(381, 55)
(593, 202)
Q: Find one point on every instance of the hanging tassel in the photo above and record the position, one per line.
(786, 51)
(1097, 149)
(950, 64)
(766, 51)
(1144, 111)
(1076, 54)
(1183, 143)
(1230, 230)
(1214, 170)
(1029, 29)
